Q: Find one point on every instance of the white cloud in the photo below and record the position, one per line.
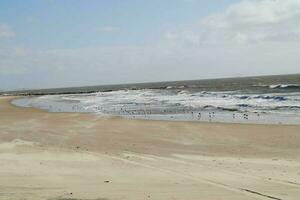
(248, 21)
(31, 19)
(6, 31)
(249, 38)
(109, 29)
(109, 65)
(8, 63)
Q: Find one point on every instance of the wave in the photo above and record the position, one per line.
(286, 108)
(243, 97)
(278, 98)
(122, 102)
(265, 97)
(228, 109)
(243, 105)
(285, 86)
(280, 86)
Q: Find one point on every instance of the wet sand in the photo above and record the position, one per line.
(58, 156)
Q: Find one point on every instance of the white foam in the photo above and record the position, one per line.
(136, 102)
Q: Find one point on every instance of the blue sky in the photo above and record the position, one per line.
(121, 41)
(71, 23)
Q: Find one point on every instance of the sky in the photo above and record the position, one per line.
(64, 43)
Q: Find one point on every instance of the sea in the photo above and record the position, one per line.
(258, 100)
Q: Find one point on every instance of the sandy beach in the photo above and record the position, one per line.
(60, 156)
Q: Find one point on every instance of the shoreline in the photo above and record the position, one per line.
(80, 156)
(153, 119)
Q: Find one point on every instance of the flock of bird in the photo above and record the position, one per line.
(146, 113)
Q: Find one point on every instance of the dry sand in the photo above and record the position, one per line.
(58, 156)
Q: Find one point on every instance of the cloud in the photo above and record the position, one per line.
(6, 31)
(160, 62)
(246, 22)
(9, 66)
(254, 37)
(31, 20)
(107, 29)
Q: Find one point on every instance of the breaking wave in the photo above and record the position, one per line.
(285, 86)
(280, 86)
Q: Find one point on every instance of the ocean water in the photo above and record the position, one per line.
(262, 100)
